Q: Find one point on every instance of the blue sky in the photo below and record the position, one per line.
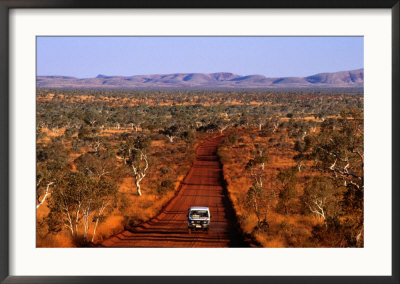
(86, 57)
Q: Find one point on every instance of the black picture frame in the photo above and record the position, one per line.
(6, 5)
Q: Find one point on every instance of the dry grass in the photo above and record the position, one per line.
(130, 209)
(292, 230)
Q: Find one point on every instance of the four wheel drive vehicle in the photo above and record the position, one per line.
(198, 218)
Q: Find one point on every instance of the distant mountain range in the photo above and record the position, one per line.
(222, 80)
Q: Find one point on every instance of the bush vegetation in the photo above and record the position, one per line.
(109, 160)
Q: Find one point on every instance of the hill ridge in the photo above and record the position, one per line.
(217, 80)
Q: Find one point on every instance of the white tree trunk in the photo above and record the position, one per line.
(45, 195)
(171, 138)
(94, 230)
(299, 165)
(97, 220)
(275, 127)
(221, 130)
(85, 224)
(77, 219)
(138, 187)
(317, 208)
(69, 225)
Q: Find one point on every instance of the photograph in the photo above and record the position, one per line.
(199, 141)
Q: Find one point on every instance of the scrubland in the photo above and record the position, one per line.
(110, 160)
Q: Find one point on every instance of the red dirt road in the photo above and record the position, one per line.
(203, 186)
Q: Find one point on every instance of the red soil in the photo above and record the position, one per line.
(203, 186)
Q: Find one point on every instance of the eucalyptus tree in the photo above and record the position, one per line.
(51, 166)
(135, 118)
(104, 196)
(256, 165)
(67, 202)
(339, 149)
(259, 201)
(288, 180)
(98, 164)
(78, 201)
(319, 197)
(222, 123)
(134, 154)
(171, 132)
(338, 153)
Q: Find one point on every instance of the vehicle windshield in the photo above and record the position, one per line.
(198, 213)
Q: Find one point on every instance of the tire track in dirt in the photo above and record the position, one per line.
(203, 186)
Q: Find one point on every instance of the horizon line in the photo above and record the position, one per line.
(100, 74)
